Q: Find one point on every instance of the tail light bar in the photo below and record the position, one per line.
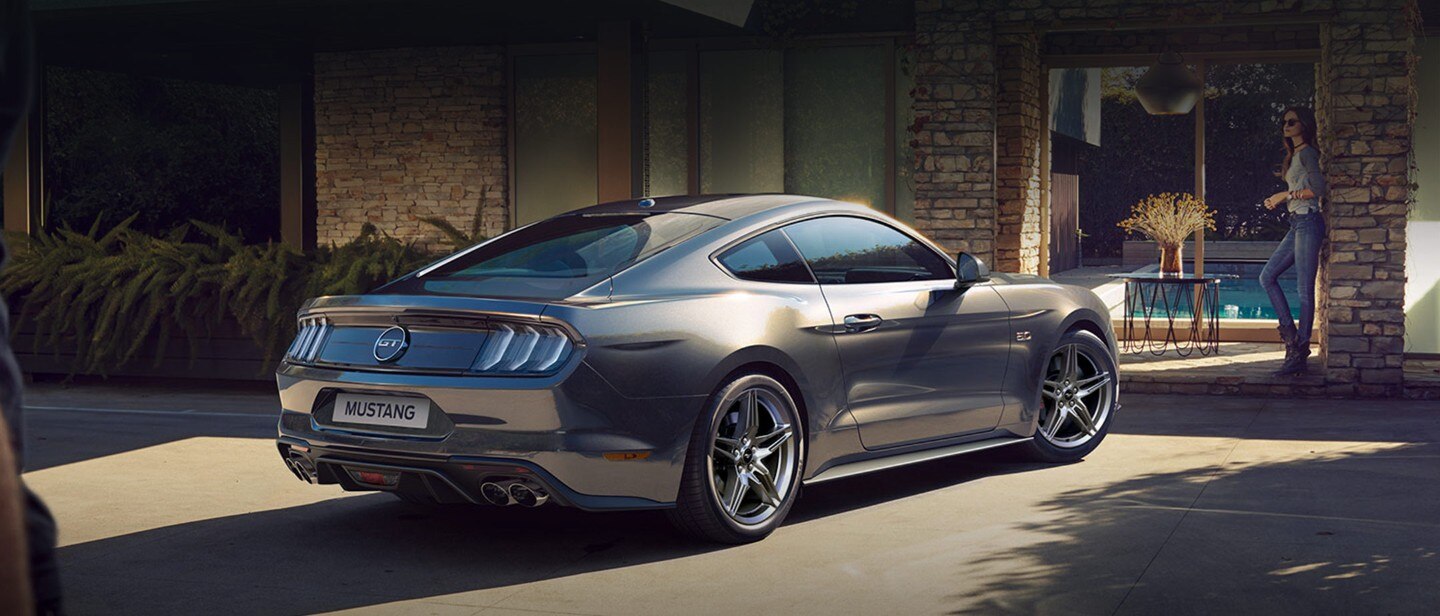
(522, 349)
(308, 342)
(509, 348)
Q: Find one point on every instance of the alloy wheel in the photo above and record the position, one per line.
(753, 456)
(1077, 397)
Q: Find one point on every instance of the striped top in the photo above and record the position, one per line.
(1304, 172)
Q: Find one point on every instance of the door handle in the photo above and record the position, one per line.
(862, 322)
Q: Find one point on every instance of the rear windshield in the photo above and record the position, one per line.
(557, 258)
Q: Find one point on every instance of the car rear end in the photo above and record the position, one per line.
(467, 382)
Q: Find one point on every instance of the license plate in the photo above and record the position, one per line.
(393, 411)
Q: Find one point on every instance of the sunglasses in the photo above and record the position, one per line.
(1289, 123)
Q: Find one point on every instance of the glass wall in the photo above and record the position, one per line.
(556, 140)
(806, 120)
(835, 123)
(742, 135)
(667, 169)
(904, 152)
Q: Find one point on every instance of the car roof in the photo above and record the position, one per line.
(729, 207)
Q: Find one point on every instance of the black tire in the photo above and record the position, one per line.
(1043, 448)
(698, 510)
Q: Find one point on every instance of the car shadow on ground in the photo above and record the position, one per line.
(372, 549)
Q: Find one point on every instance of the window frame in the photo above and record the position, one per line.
(780, 225)
(715, 258)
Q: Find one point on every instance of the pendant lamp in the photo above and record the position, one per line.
(1169, 88)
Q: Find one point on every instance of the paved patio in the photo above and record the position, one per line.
(1239, 368)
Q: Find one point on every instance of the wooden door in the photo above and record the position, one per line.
(1064, 222)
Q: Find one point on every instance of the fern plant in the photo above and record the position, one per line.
(106, 295)
(458, 239)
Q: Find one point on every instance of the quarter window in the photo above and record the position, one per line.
(851, 250)
(766, 258)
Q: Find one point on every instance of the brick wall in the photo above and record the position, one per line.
(409, 133)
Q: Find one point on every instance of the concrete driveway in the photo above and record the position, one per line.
(1192, 505)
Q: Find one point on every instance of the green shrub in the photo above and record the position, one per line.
(112, 293)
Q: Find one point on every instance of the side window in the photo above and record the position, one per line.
(766, 258)
(850, 250)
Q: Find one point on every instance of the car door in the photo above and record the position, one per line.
(922, 359)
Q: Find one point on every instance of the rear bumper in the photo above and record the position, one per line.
(553, 431)
(455, 479)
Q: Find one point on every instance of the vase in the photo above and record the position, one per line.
(1170, 264)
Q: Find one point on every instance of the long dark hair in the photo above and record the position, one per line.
(1306, 116)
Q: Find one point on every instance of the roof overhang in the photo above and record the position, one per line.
(242, 41)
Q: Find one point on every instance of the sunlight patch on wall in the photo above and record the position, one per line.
(1422, 254)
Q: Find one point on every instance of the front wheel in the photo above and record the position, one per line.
(743, 470)
(1078, 392)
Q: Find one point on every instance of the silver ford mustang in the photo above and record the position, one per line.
(703, 355)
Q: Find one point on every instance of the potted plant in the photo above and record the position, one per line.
(1167, 219)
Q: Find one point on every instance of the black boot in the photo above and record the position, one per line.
(1296, 352)
(1288, 338)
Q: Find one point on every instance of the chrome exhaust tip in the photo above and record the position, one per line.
(527, 495)
(291, 466)
(496, 494)
(303, 468)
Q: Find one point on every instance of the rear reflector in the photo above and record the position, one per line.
(375, 478)
(619, 456)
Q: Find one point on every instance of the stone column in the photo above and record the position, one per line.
(954, 129)
(1365, 115)
(1017, 164)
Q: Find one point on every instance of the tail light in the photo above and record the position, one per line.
(523, 349)
(313, 333)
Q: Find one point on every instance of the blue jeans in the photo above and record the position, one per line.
(1300, 248)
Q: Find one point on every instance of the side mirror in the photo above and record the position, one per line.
(969, 270)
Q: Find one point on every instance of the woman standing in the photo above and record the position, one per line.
(1301, 246)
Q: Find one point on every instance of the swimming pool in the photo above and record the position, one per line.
(1243, 297)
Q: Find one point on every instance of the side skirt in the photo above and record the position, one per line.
(880, 464)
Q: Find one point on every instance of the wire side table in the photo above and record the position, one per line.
(1192, 301)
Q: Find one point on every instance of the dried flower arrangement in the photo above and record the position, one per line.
(1168, 219)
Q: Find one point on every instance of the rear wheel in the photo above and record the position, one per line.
(1078, 391)
(743, 470)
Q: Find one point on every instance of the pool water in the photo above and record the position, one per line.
(1243, 297)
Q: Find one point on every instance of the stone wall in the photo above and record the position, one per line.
(1365, 132)
(1017, 163)
(954, 126)
(1279, 37)
(409, 133)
